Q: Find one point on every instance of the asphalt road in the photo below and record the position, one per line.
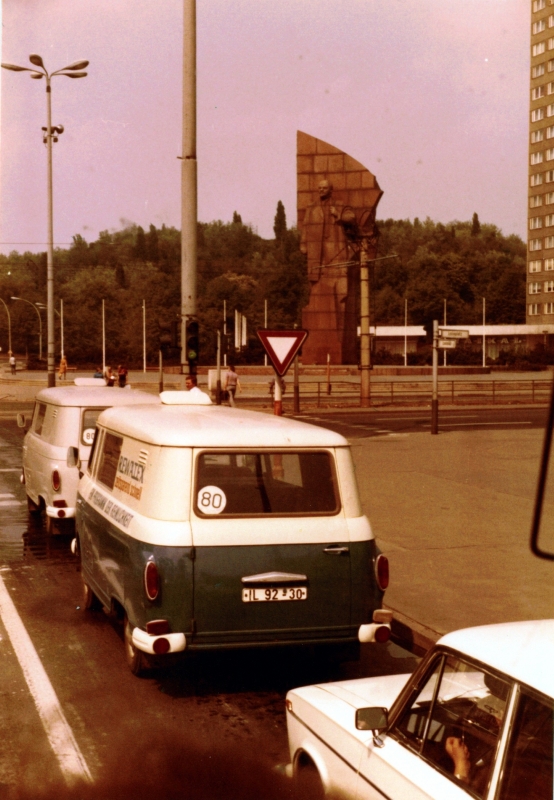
(355, 424)
(199, 719)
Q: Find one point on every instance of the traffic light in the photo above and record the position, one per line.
(192, 344)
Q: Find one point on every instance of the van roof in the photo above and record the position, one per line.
(95, 396)
(523, 650)
(215, 426)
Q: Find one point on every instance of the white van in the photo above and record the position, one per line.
(58, 443)
(206, 527)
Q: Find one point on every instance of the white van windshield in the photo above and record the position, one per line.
(275, 483)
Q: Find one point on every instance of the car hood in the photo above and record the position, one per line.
(358, 693)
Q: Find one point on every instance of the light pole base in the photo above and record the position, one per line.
(434, 416)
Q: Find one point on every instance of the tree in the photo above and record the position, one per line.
(475, 225)
(280, 223)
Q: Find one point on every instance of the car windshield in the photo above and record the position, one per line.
(275, 483)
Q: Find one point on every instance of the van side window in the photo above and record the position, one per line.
(40, 413)
(277, 483)
(94, 450)
(109, 459)
(88, 424)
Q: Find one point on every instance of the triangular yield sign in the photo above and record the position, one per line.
(281, 347)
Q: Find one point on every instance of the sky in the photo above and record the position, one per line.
(432, 96)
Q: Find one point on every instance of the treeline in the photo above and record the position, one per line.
(461, 262)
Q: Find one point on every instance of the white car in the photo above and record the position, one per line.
(474, 720)
(57, 445)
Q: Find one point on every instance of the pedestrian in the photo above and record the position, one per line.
(109, 377)
(122, 373)
(62, 373)
(98, 373)
(232, 384)
(12, 363)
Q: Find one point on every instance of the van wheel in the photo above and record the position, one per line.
(136, 660)
(90, 601)
(50, 525)
(33, 508)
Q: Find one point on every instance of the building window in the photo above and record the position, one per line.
(550, 65)
(535, 201)
(549, 308)
(534, 223)
(549, 198)
(549, 264)
(549, 242)
(549, 220)
(536, 158)
(540, 26)
(551, 21)
(537, 114)
(537, 71)
(539, 49)
(537, 136)
(538, 92)
(536, 180)
(550, 132)
(535, 266)
(535, 244)
(550, 176)
(533, 309)
(550, 154)
(551, 44)
(534, 288)
(538, 5)
(550, 110)
(549, 286)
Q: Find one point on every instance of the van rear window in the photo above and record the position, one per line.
(109, 459)
(274, 483)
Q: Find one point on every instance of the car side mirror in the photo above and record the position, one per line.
(73, 457)
(372, 719)
(542, 529)
(21, 420)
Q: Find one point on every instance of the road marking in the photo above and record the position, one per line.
(12, 469)
(62, 741)
(10, 503)
(460, 424)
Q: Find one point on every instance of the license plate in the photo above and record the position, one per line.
(274, 594)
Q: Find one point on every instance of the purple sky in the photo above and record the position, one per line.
(430, 95)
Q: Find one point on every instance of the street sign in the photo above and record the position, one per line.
(447, 344)
(452, 333)
(281, 347)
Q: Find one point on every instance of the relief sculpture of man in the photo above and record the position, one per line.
(324, 242)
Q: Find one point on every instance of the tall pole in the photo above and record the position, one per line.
(189, 178)
(50, 251)
(435, 397)
(144, 336)
(103, 340)
(405, 331)
(365, 355)
(444, 351)
(484, 341)
(61, 326)
(265, 326)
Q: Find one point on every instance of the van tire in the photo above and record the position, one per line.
(33, 508)
(90, 601)
(136, 660)
(50, 525)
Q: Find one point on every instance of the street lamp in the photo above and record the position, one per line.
(9, 326)
(51, 134)
(39, 322)
(60, 315)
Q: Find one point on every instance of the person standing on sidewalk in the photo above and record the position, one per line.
(62, 373)
(232, 384)
(12, 363)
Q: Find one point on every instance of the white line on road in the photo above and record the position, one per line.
(10, 503)
(474, 424)
(62, 741)
(12, 469)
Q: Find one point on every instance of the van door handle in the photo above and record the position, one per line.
(336, 549)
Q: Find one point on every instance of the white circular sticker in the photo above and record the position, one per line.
(88, 435)
(211, 500)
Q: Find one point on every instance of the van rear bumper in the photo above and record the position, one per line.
(145, 641)
(60, 513)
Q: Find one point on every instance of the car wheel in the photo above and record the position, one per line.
(33, 508)
(136, 659)
(308, 782)
(90, 601)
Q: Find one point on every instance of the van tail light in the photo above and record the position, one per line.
(382, 571)
(151, 579)
(382, 634)
(56, 480)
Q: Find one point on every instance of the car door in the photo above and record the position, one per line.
(272, 556)
(445, 741)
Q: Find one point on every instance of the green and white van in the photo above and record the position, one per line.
(207, 527)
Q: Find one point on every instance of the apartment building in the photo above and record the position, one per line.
(540, 251)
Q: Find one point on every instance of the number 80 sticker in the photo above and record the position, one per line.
(211, 500)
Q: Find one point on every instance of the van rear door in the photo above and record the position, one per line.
(272, 556)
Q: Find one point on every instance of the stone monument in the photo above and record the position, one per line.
(336, 198)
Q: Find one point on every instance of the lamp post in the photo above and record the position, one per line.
(60, 315)
(51, 134)
(9, 326)
(39, 322)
